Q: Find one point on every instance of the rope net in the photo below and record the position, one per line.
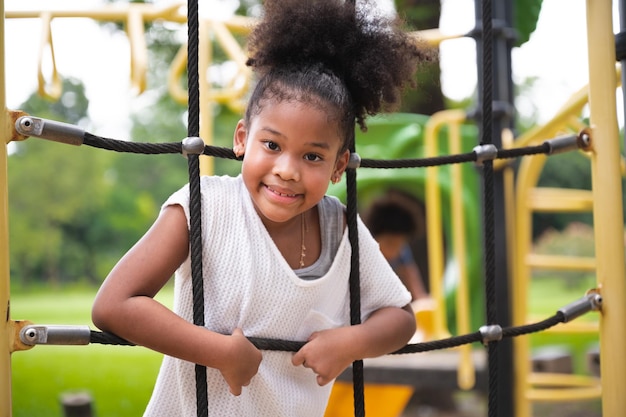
(193, 147)
(484, 153)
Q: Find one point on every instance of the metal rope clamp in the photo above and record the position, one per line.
(564, 144)
(55, 335)
(192, 146)
(490, 333)
(485, 153)
(590, 302)
(49, 129)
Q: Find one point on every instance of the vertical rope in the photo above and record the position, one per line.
(195, 227)
(355, 286)
(488, 199)
(355, 277)
(195, 212)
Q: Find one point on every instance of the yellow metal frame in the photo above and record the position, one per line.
(452, 119)
(608, 209)
(6, 327)
(606, 204)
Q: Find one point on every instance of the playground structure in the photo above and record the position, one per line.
(603, 152)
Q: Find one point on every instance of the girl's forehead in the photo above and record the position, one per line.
(281, 110)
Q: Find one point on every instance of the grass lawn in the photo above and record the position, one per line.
(119, 378)
(547, 296)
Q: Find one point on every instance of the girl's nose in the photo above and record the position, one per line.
(287, 168)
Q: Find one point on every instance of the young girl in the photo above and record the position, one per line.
(276, 255)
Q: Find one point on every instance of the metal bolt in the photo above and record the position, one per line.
(585, 139)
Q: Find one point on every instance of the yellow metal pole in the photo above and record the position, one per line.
(607, 214)
(529, 171)
(6, 327)
(434, 220)
(466, 375)
(206, 106)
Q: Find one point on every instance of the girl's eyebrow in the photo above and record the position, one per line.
(272, 131)
(322, 145)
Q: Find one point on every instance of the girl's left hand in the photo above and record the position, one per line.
(327, 353)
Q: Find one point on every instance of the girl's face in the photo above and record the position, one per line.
(291, 153)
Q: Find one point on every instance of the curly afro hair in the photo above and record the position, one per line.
(351, 63)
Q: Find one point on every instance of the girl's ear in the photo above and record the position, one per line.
(239, 139)
(340, 166)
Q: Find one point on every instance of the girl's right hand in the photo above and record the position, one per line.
(243, 363)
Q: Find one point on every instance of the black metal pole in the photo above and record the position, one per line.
(502, 117)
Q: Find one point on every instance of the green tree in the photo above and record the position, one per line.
(55, 190)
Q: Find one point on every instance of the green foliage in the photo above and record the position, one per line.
(54, 193)
(71, 107)
(526, 15)
(74, 211)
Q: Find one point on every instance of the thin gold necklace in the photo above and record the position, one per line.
(302, 234)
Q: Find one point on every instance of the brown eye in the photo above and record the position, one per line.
(273, 146)
(312, 157)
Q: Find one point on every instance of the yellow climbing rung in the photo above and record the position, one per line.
(562, 263)
(546, 199)
(565, 387)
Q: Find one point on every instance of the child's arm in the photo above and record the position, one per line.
(329, 352)
(125, 306)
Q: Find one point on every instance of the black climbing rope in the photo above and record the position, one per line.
(195, 210)
(488, 202)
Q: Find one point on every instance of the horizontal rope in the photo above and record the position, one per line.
(151, 148)
(132, 147)
(544, 148)
(106, 338)
(227, 153)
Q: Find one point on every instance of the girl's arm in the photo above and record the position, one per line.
(329, 352)
(125, 306)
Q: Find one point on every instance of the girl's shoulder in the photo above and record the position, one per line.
(221, 185)
(330, 202)
(214, 190)
(220, 181)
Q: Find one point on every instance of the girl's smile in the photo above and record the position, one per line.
(275, 190)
